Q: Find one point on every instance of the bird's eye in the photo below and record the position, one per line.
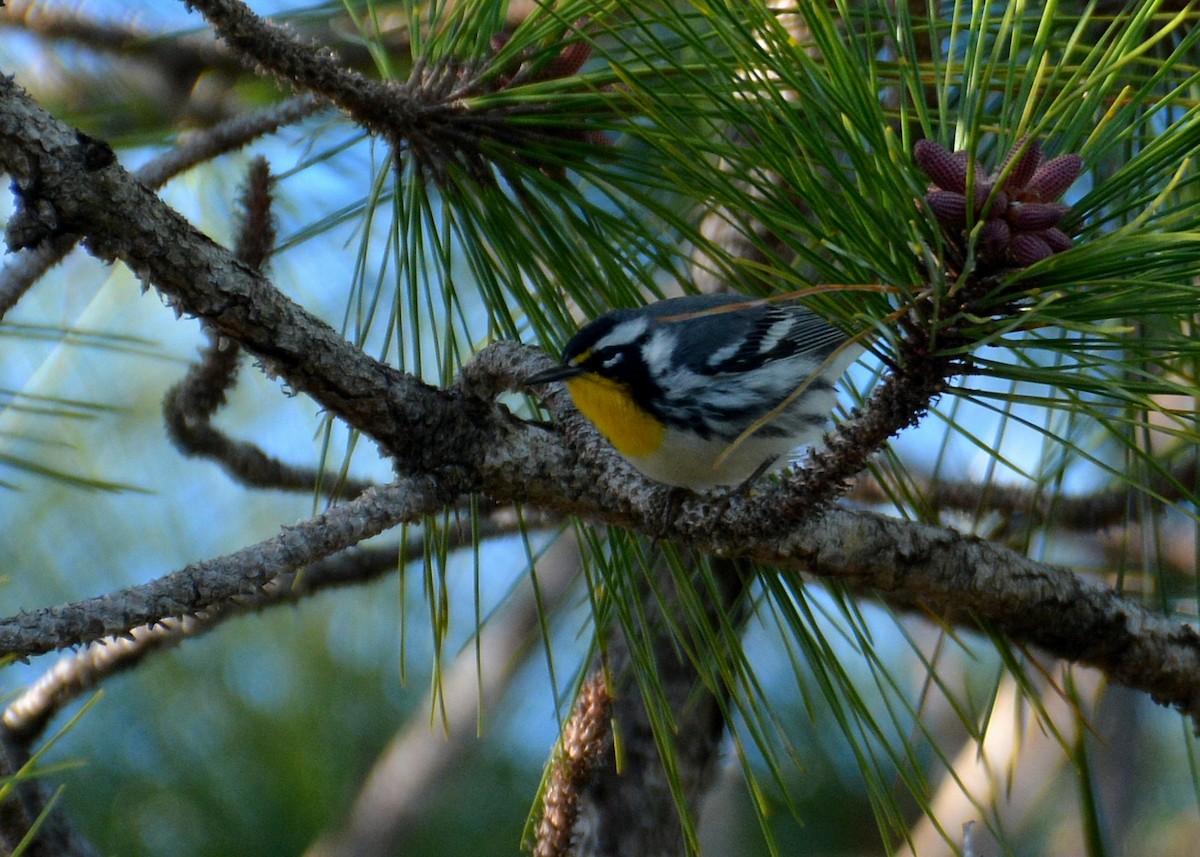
(610, 362)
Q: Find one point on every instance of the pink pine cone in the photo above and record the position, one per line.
(995, 236)
(1028, 248)
(1035, 216)
(1054, 177)
(948, 207)
(1056, 239)
(1025, 168)
(569, 61)
(1021, 220)
(943, 168)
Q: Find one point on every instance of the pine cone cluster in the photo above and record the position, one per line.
(1019, 210)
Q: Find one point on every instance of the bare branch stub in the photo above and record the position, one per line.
(189, 407)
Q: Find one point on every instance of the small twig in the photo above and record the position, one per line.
(256, 238)
(182, 57)
(27, 716)
(19, 275)
(426, 116)
(228, 136)
(262, 44)
(189, 406)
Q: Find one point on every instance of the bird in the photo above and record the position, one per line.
(706, 391)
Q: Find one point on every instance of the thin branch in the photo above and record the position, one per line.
(216, 581)
(896, 404)
(1086, 513)
(189, 407)
(256, 235)
(377, 106)
(18, 276)
(27, 715)
(182, 58)
(427, 115)
(226, 137)
(739, 238)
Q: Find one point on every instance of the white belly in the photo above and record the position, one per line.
(687, 461)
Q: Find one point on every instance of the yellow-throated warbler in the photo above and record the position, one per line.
(674, 385)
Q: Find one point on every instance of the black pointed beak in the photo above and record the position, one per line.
(558, 373)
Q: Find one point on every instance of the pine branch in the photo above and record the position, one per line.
(457, 441)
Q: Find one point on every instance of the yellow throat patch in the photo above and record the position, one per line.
(612, 410)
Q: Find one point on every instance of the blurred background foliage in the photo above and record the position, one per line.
(254, 739)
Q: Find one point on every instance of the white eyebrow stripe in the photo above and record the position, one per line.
(623, 334)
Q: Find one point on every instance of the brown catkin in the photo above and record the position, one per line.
(583, 744)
